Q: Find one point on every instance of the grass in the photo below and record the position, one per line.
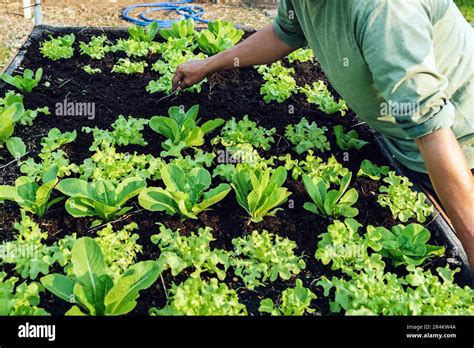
(467, 9)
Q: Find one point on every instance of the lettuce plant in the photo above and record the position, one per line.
(29, 252)
(301, 55)
(109, 164)
(343, 247)
(186, 194)
(405, 245)
(178, 252)
(331, 171)
(319, 94)
(260, 192)
(294, 302)
(219, 36)
(349, 140)
(100, 198)
(19, 300)
(24, 83)
(372, 291)
(279, 84)
(126, 66)
(173, 53)
(305, 136)
(31, 196)
(372, 171)
(262, 256)
(132, 48)
(333, 203)
(143, 34)
(28, 116)
(96, 48)
(182, 129)
(179, 29)
(92, 290)
(58, 48)
(245, 131)
(8, 117)
(51, 157)
(204, 298)
(404, 203)
(122, 248)
(125, 131)
(90, 70)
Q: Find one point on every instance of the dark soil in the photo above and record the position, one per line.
(228, 94)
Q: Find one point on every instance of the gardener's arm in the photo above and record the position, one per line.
(263, 47)
(398, 49)
(453, 182)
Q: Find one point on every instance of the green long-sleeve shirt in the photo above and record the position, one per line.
(406, 67)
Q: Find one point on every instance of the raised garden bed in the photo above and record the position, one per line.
(227, 94)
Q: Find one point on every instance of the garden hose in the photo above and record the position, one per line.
(183, 8)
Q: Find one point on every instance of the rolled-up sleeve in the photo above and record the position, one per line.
(397, 44)
(287, 26)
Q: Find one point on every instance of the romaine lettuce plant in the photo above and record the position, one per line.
(372, 171)
(96, 48)
(402, 201)
(405, 245)
(19, 300)
(182, 129)
(8, 117)
(179, 29)
(28, 116)
(205, 298)
(186, 194)
(126, 66)
(31, 196)
(279, 84)
(92, 290)
(333, 203)
(58, 48)
(305, 136)
(349, 140)
(260, 192)
(219, 36)
(245, 131)
(24, 83)
(319, 94)
(262, 256)
(143, 34)
(294, 302)
(100, 198)
(179, 252)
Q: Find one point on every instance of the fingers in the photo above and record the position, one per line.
(177, 80)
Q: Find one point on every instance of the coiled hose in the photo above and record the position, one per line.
(183, 8)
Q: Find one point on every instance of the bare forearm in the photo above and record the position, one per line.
(453, 182)
(263, 47)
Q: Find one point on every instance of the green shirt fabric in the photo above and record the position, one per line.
(406, 67)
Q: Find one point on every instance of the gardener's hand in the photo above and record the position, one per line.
(189, 73)
(263, 47)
